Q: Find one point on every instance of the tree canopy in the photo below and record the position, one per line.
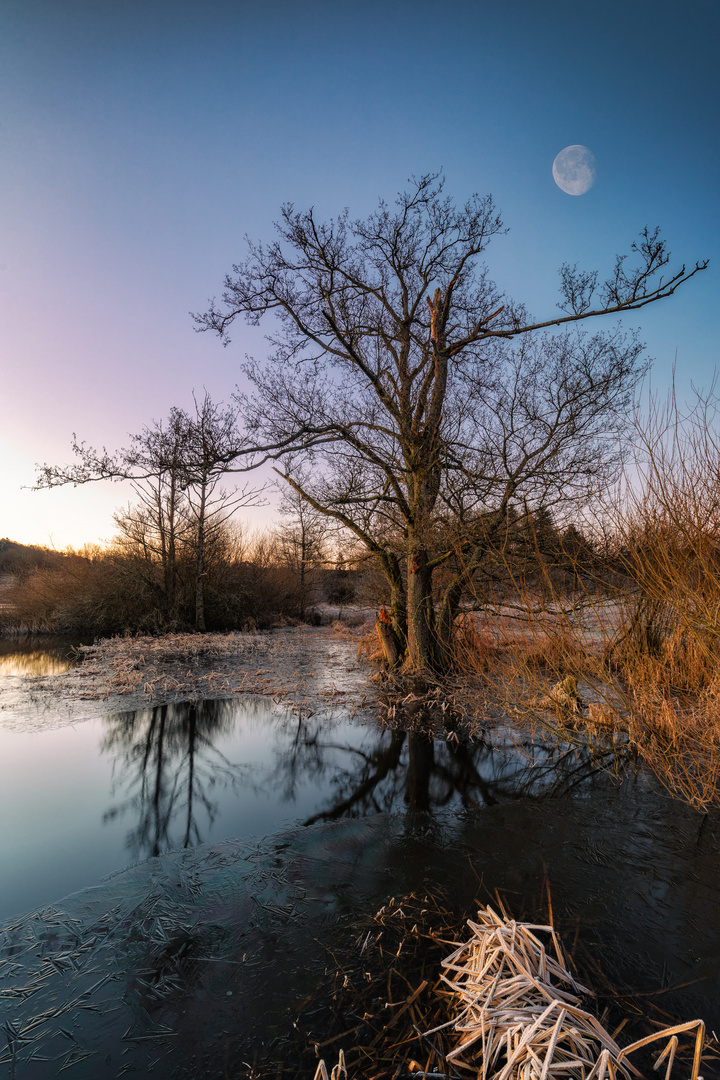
(420, 400)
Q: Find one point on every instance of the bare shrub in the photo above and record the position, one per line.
(122, 590)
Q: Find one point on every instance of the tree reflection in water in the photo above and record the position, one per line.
(423, 772)
(171, 772)
(166, 764)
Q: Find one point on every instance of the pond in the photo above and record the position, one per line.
(49, 655)
(348, 814)
(80, 801)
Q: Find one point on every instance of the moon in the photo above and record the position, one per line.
(574, 170)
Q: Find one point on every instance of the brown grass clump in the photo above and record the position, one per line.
(502, 1006)
(679, 743)
(659, 652)
(475, 651)
(556, 653)
(369, 647)
(520, 1015)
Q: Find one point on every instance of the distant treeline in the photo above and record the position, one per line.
(22, 558)
(253, 581)
(247, 584)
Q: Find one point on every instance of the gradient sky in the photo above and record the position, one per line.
(141, 140)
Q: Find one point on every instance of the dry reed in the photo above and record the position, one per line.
(520, 1012)
(515, 1015)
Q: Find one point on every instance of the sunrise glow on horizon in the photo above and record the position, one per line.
(140, 143)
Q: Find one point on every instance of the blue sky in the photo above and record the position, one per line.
(140, 142)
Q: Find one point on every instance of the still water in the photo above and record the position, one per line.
(80, 801)
(349, 814)
(52, 656)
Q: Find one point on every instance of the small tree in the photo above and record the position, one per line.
(302, 541)
(210, 444)
(429, 400)
(175, 469)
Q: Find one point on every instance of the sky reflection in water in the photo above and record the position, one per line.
(79, 802)
(53, 657)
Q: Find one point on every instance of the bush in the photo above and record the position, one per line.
(119, 590)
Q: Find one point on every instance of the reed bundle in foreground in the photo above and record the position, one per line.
(516, 1015)
(520, 1016)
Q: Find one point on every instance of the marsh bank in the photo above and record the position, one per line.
(103, 778)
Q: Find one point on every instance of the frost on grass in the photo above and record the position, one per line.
(302, 665)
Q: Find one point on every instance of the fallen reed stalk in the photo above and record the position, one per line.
(520, 1014)
(515, 1014)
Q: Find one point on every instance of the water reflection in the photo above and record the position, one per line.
(424, 773)
(185, 959)
(166, 765)
(48, 655)
(178, 768)
(78, 802)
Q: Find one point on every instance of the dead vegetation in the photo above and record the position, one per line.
(654, 694)
(520, 1011)
(310, 666)
(634, 624)
(502, 1005)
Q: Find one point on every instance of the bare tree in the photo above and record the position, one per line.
(210, 446)
(176, 470)
(154, 525)
(428, 399)
(302, 540)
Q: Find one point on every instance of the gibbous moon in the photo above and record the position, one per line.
(574, 170)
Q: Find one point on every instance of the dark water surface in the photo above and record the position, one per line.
(81, 801)
(183, 962)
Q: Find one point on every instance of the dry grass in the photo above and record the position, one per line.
(556, 653)
(502, 1006)
(301, 664)
(474, 649)
(520, 1015)
(652, 695)
(157, 666)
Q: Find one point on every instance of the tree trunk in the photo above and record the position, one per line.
(398, 616)
(421, 616)
(387, 637)
(166, 512)
(199, 591)
(391, 625)
(303, 564)
(445, 623)
(451, 603)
